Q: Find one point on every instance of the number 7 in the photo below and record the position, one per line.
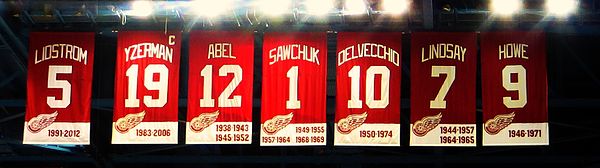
(450, 71)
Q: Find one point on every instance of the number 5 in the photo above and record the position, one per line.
(53, 70)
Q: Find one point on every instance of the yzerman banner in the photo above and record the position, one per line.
(443, 70)
(146, 85)
(368, 89)
(293, 89)
(59, 84)
(220, 88)
(514, 84)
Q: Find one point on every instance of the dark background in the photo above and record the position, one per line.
(573, 86)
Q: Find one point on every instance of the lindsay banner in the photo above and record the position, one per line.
(368, 89)
(59, 83)
(293, 89)
(146, 85)
(220, 88)
(515, 94)
(443, 69)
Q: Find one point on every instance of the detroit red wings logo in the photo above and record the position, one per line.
(351, 122)
(277, 123)
(426, 124)
(499, 122)
(202, 121)
(126, 123)
(37, 123)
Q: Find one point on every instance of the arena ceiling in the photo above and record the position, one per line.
(573, 84)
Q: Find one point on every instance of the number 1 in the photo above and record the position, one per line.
(293, 102)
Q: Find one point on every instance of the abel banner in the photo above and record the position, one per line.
(443, 69)
(220, 88)
(59, 84)
(368, 89)
(293, 89)
(146, 85)
(514, 84)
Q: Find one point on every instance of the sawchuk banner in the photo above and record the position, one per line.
(368, 89)
(514, 85)
(293, 89)
(146, 86)
(443, 69)
(220, 87)
(59, 83)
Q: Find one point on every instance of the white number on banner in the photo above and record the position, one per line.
(450, 71)
(161, 85)
(54, 83)
(355, 101)
(224, 101)
(293, 102)
(520, 86)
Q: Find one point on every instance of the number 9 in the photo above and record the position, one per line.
(520, 85)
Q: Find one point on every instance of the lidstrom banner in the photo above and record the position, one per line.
(293, 89)
(368, 89)
(146, 87)
(59, 83)
(220, 88)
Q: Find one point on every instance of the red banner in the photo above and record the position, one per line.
(368, 89)
(220, 88)
(59, 84)
(146, 85)
(293, 89)
(514, 84)
(443, 69)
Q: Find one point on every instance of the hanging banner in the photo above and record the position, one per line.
(220, 88)
(368, 89)
(443, 70)
(146, 85)
(515, 88)
(59, 85)
(293, 89)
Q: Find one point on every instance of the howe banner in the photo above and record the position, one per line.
(293, 89)
(443, 69)
(368, 89)
(220, 87)
(146, 87)
(514, 85)
(59, 83)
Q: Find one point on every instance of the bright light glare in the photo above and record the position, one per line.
(395, 6)
(505, 7)
(318, 7)
(141, 8)
(211, 8)
(274, 7)
(561, 8)
(355, 7)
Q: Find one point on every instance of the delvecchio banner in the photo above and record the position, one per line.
(146, 87)
(443, 77)
(515, 88)
(293, 89)
(368, 89)
(220, 87)
(59, 83)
